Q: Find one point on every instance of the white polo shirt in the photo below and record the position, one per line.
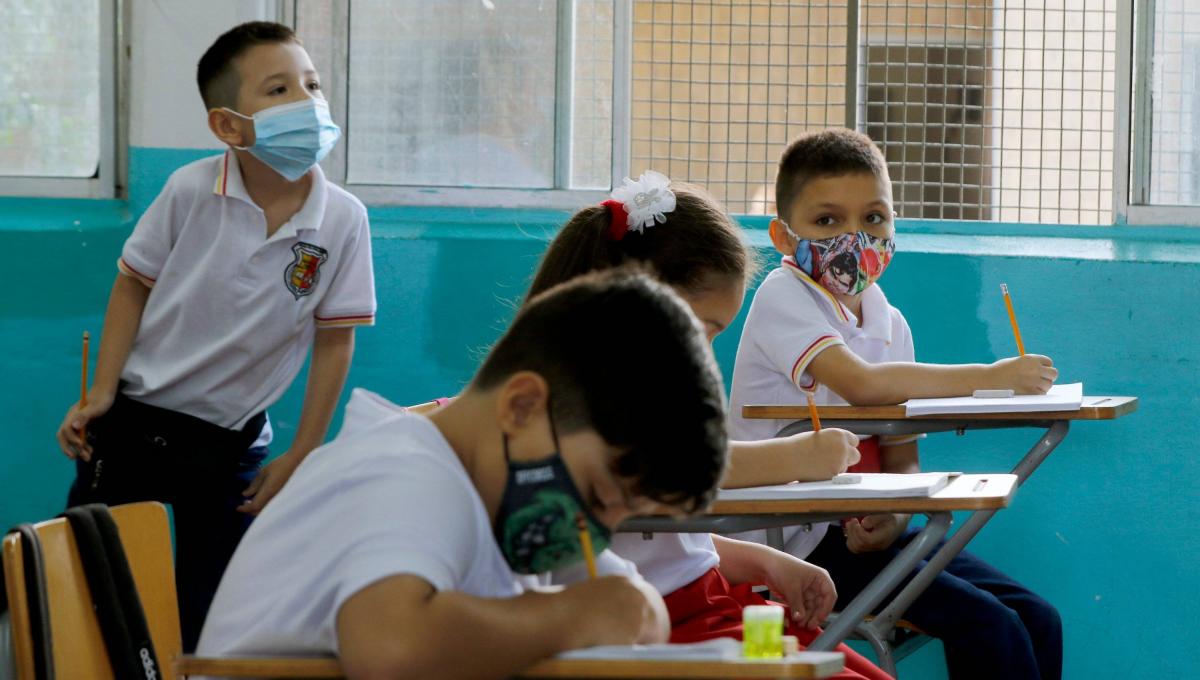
(791, 320)
(232, 313)
(381, 500)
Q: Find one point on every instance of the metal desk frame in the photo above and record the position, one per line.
(853, 617)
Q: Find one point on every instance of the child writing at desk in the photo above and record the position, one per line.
(691, 243)
(402, 543)
(820, 323)
(244, 262)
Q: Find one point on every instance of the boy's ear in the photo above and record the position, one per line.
(783, 241)
(522, 400)
(230, 129)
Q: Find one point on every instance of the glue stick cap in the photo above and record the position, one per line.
(762, 612)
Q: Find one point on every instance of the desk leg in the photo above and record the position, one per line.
(887, 581)
(775, 538)
(896, 608)
(1048, 442)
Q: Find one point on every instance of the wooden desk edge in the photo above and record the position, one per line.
(807, 665)
(1121, 406)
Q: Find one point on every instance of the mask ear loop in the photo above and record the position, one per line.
(239, 115)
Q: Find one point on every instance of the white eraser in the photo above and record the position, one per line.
(847, 478)
(992, 394)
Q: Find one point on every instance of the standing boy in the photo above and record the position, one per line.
(820, 323)
(242, 263)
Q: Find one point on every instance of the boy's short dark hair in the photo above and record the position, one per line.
(828, 153)
(216, 74)
(623, 355)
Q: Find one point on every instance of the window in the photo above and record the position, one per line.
(511, 100)
(1165, 177)
(985, 109)
(57, 97)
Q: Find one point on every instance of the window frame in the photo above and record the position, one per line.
(108, 182)
(337, 87)
(1134, 106)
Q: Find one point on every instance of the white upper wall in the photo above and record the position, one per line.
(167, 38)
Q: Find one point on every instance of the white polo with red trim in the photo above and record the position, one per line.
(791, 320)
(231, 313)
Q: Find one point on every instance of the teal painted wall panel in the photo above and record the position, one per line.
(1102, 529)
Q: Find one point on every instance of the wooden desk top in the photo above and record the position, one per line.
(966, 492)
(1094, 408)
(803, 665)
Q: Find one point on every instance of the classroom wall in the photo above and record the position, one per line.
(1102, 530)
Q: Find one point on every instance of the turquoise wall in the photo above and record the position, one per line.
(1102, 530)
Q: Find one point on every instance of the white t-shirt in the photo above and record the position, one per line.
(668, 561)
(391, 498)
(791, 320)
(232, 313)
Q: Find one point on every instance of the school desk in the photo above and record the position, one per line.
(973, 492)
(892, 420)
(802, 665)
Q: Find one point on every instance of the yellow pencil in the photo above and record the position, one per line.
(585, 542)
(1012, 316)
(812, 412)
(83, 385)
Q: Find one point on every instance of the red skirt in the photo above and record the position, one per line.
(868, 449)
(710, 608)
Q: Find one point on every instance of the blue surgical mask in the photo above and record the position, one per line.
(291, 138)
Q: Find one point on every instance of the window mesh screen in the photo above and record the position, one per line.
(985, 109)
(720, 87)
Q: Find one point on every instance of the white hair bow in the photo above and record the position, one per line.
(647, 200)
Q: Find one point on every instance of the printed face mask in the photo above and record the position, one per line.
(845, 264)
(291, 138)
(535, 524)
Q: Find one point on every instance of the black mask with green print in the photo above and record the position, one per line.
(535, 524)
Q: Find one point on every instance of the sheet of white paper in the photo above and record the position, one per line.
(716, 649)
(872, 485)
(1067, 397)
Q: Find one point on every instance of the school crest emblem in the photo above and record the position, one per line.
(304, 272)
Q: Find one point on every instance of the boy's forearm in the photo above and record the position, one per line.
(458, 636)
(122, 319)
(333, 348)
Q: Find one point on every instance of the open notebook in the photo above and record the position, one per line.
(720, 649)
(1060, 398)
(870, 485)
(711, 650)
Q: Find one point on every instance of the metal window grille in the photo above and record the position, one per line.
(720, 87)
(985, 109)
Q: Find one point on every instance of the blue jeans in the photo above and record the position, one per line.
(991, 626)
(203, 484)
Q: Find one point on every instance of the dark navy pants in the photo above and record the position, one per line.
(136, 461)
(991, 626)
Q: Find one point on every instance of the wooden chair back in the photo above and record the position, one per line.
(78, 648)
